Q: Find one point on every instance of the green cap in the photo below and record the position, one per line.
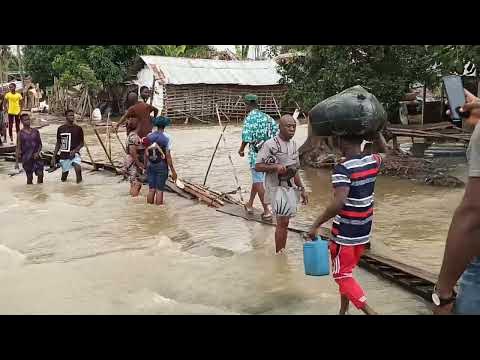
(251, 97)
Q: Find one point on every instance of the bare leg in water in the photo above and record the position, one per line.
(78, 172)
(258, 188)
(367, 310)
(159, 197)
(29, 178)
(151, 196)
(135, 187)
(344, 304)
(281, 233)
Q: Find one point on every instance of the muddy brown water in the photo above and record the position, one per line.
(91, 249)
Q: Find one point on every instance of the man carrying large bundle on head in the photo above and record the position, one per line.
(351, 116)
(258, 127)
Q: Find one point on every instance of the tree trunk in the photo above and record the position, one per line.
(318, 151)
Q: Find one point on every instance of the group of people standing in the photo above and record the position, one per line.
(148, 148)
(274, 164)
(69, 142)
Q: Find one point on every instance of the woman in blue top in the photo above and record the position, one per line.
(158, 160)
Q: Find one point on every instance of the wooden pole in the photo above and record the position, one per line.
(278, 110)
(86, 146)
(424, 101)
(213, 155)
(153, 91)
(109, 139)
(239, 188)
(103, 146)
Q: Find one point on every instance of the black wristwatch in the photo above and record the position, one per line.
(438, 301)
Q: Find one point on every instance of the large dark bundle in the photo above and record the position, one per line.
(352, 112)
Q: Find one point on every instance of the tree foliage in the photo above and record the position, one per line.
(92, 65)
(242, 51)
(192, 51)
(386, 71)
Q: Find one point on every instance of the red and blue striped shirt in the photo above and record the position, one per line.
(353, 224)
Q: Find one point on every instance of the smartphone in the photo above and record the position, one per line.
(456, 97)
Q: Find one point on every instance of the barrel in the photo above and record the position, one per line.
(316, 257)
(354, 111)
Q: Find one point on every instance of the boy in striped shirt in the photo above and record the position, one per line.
(353, 183)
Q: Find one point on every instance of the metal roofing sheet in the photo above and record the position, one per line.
(178, 71)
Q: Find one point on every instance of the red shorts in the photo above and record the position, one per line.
(344, 260)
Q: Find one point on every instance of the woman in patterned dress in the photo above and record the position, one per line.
(133, 167)
(29, 145)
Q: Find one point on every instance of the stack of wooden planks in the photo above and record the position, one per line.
(441, 131)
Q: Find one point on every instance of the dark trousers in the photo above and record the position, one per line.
(11, 119)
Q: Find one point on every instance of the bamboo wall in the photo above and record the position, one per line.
(198, 101)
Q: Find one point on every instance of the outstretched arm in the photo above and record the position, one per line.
(339, 199)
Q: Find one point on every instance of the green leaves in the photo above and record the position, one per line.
(95, 66)
(386, 71)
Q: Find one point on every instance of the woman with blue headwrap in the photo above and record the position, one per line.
(158, 159)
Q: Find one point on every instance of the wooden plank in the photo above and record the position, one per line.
(420, 273)
(239, 211)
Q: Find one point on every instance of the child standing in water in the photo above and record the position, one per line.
(158, 160)
(29, 145)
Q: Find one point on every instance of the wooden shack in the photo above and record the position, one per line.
(193, 88)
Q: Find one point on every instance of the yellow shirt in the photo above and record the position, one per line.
(13, 103)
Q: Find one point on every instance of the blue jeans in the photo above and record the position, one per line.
(468, 299)
(157, 175)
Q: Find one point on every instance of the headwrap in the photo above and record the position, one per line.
(161, 121)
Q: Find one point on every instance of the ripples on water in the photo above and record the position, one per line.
(91, 248)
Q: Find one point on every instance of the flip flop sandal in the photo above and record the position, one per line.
(248, 210)
(267, 217)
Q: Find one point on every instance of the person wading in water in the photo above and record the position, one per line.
(141, 111)
(258, 127)
(134, 167)
(158, 159)
(279, 159)
(29, 145)
(69, 141)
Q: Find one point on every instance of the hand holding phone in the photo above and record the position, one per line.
(456, 97)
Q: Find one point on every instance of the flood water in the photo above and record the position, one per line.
(92, 249)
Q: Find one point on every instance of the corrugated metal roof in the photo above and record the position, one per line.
(178, 71)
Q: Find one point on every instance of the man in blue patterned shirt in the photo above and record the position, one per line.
(258, 127)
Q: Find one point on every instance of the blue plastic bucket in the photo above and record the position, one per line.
(316, 257)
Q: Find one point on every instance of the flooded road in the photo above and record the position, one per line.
(91, 249)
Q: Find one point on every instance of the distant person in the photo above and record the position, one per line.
(279, 159)
(13, 104)
(69, 141)
(144, 94)
(29, 146)
(141, 111)
(462, 249)
(3, 120)
(258, 127)
(353, 183)
(158, 159)
(134, 167)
